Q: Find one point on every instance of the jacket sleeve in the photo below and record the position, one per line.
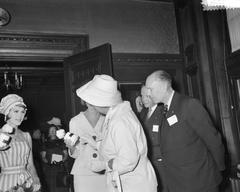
(125, 144)
(201, 122)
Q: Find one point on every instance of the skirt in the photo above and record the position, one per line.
(90, 183)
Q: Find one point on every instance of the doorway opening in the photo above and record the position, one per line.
(39, 59)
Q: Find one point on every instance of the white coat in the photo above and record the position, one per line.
(124, 141)
(84, 179)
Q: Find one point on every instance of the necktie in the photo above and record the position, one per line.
(162, 121)
(165, 110)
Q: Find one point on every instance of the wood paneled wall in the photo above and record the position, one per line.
(134, 68)
(205, 51)
(131, 71)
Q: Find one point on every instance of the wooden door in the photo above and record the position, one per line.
(80, 68)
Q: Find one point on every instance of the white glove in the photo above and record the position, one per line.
(71, 139)
(4, 140)
(98, 166)
(7, 129)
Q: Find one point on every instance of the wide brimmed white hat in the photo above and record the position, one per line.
(10, 101)
(100, 91)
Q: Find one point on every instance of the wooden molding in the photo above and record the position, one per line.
(40, 47)
(134, 68)
(143, 58)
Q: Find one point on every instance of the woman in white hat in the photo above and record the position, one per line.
(16, 162)
(124, 148)
(88, 126)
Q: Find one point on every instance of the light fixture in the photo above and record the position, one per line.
(12, 80)
(4, 17)
(211, 5)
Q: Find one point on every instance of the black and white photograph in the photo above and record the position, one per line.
(120, 96)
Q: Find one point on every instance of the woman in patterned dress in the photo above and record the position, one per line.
(16, 160)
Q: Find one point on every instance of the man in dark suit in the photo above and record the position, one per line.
(150, 117)
(191, 148)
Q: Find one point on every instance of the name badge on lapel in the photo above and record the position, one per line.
(155, 128)
(172, 120)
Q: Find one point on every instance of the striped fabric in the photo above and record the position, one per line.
(235, 184)
(13, 162)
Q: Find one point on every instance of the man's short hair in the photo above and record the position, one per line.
(163, 76)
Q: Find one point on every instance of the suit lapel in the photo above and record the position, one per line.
(175, 105)
(154, 114)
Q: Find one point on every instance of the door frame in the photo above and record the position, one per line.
(40, 46)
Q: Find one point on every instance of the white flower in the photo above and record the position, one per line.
(4, 139)
(2, 144)
(29, 182)
(7, 128)
(21, 179)
(20, 189)
(60, 133)
(36, 187)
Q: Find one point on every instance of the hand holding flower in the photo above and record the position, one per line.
(8, 129)
(4, 141)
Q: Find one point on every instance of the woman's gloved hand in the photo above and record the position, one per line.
(8, 129)
(5, 140)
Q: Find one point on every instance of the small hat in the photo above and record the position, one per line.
(100, 91)
(55, 121)
(10, 101)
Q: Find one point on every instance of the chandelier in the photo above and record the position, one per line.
(12, 80)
